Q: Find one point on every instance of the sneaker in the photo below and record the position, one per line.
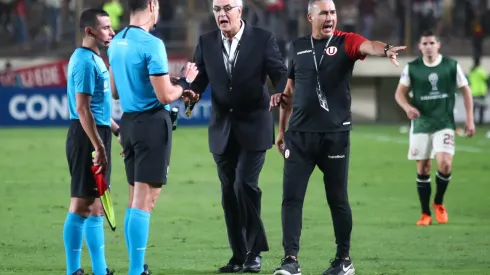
(441, 213)
(340, 267)
(79, 272)
(253, 263)
(425, 220)
(145, 270)
(289, 266)
(230, 268)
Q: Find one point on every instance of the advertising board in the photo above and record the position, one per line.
(49, 107)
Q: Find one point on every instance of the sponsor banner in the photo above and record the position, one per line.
(45, 75)
(49, 107)
(53, 74)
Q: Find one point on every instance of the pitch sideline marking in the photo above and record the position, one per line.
(384, 138)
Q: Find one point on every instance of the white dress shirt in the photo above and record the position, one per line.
(231, 49)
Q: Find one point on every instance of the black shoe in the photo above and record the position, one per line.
(253, 263)
(289, 266)
(145, 270)
(231, 268)
(79, 272)
(340, 267)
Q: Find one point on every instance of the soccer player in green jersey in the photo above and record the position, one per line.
(434, 80)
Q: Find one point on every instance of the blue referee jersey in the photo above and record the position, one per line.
(134, 56)
(88, 74)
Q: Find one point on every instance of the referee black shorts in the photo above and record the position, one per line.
(146, 138)
(79, 155)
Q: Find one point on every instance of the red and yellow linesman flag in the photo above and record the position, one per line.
(105, 196)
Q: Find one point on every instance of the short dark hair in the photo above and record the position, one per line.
(89, 18)
(138, 5)
(428, 33)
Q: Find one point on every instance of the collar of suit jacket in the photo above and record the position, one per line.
(237, 36)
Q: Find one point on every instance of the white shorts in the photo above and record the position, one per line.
(425, 146)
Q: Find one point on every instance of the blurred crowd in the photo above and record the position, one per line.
(49, 27)
(40, 26)
(25, 23)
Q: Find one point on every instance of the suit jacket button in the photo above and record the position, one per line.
(231, 110)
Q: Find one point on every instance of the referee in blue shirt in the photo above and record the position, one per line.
(139, 68)
(89, 102)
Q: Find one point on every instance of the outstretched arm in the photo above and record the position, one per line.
(377, 48)
(165, 90)
(358, 47)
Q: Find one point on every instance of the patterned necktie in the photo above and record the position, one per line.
(229, 62)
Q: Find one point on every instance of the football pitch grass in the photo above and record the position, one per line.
(188, 235)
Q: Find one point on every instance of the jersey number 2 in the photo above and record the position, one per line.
(448, 139)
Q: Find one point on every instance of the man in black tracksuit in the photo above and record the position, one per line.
(318, 90)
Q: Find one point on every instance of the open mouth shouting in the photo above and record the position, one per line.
(224, 22)
(327, 27)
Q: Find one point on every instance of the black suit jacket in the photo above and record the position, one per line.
(243, 111)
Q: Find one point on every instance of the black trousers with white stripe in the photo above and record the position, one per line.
(303, 152)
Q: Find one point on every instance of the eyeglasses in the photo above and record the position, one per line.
(227, 8)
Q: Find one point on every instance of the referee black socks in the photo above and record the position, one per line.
(442, 180)
(424, 189)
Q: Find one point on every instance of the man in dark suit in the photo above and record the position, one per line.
(236, 60)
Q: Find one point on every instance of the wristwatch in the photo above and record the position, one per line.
(116, 133)
(387, 47)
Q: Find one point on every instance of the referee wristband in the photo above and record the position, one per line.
(182, 82)
(116, 133)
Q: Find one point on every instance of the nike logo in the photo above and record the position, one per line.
(346, 268)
